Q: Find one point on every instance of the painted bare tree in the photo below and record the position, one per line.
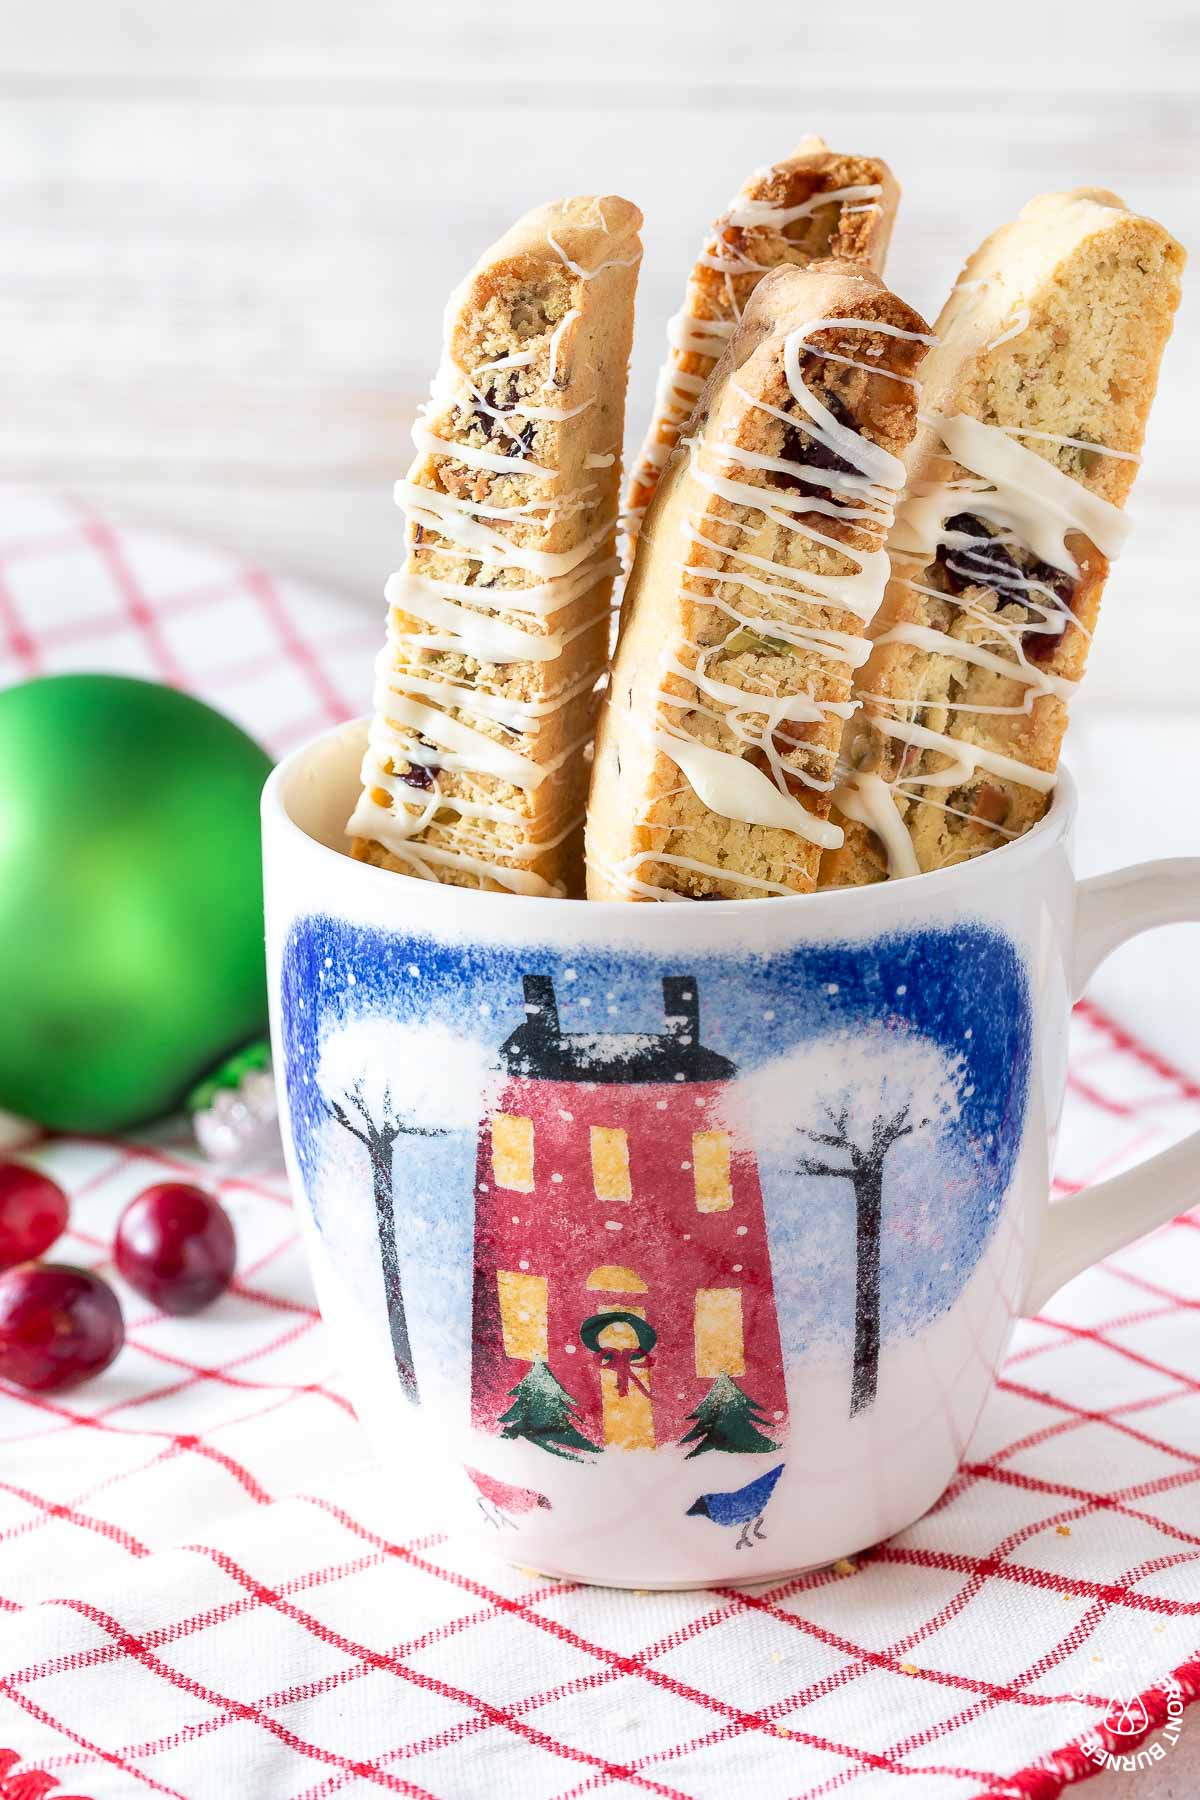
(862, 1165)
(383, 1080)
(861, 1093)
(378, 1135)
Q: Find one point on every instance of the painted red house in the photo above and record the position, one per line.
(622, 1275)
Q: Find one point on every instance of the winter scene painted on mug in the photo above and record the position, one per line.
(612, 1203)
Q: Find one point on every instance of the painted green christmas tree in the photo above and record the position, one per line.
(727, 1419)
(544, 1412)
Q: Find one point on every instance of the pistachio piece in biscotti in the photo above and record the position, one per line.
(760, 564)
(813, 205)
(476, 767)
(1034, 410)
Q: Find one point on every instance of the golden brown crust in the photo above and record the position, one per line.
(694, 608)
(1057, 325)
(518, 461)
(856, 230)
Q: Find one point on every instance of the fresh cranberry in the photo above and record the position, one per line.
(176, 1246)
(58, 1326)
(33, 1212)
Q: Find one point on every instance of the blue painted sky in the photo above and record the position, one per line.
(963, 992)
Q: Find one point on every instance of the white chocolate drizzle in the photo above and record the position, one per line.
(738, 790)
(612, 262)
(1019, 322)
(429, 720)
(1018, 491)
(869, 802)
(728, 782)
(1030, 505)
(1073, 443)
(940, 643)
(690, 333)
(757, 213)
(623, 874)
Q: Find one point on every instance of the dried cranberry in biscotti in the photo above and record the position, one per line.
(984, 563)
(520, 443)
(800, 446)
(1041, 644)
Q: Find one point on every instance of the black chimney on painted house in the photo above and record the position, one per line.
(681, 1003)
(541, 1010)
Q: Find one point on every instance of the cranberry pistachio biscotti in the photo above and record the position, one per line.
(1035, 406)
(760, 564)
(476, 769)
(815, 204)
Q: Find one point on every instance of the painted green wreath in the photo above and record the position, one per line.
(622, 1362)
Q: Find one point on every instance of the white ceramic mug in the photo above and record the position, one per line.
(681, 1244)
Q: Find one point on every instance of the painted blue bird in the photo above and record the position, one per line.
(745, 1506)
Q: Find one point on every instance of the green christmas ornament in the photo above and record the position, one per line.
(131, 933)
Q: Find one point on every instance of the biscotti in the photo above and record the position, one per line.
(760, 564)
(1034, 411)
(476, 768)
(814, 205)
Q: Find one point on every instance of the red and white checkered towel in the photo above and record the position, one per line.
(206, 1590)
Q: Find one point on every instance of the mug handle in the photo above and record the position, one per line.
(1080, 1230)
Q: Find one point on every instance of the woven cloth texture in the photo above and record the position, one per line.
(207, 1590)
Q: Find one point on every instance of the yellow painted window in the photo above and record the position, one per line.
(523, 1314)
(512, 1153)
(610, 1163)
(611, 1278)
(718, 1332)
(710, 1171)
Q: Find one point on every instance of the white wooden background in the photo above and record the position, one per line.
(228, 228)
